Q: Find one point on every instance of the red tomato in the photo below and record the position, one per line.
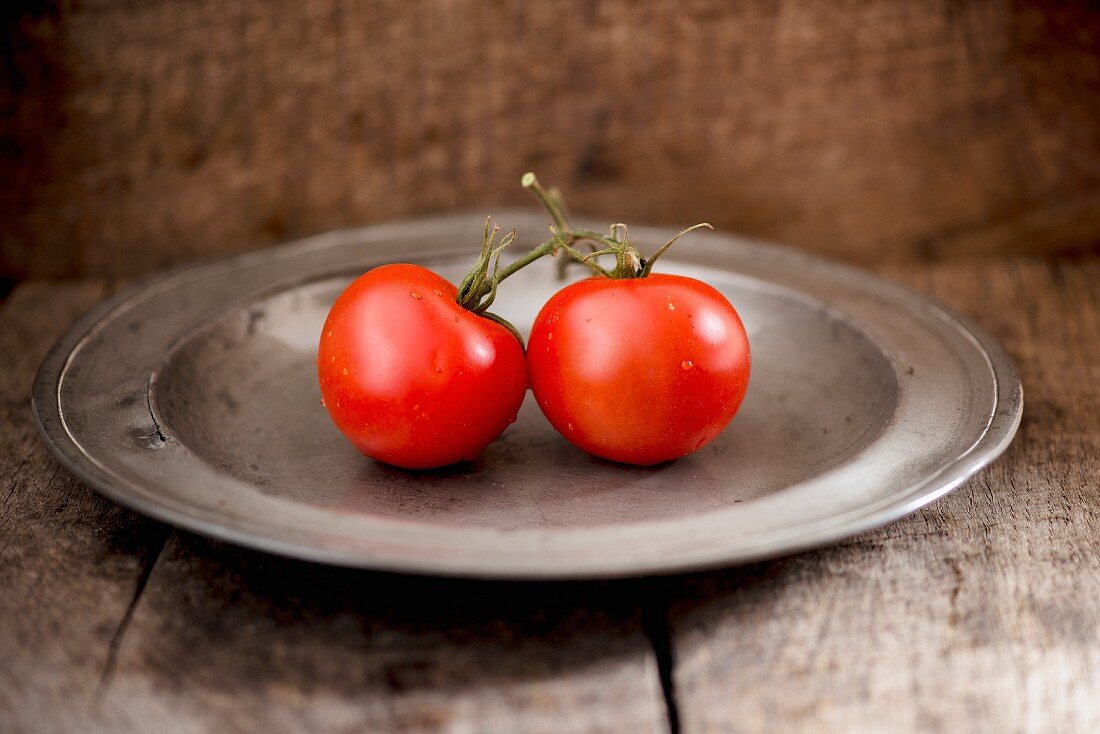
(639, 370)
(412, 378)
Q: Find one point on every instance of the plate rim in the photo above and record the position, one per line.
(1004, 421)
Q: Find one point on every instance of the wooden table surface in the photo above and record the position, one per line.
(980, 613)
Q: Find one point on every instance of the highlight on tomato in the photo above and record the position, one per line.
(630, 365)
(416, 372)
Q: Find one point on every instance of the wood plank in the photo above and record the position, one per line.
(70, 561)
(981, 612)
(230, 640)
(141, 134)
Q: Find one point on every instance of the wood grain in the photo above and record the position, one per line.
(70, 561)
(234, 641)
(979, 613)
(137, 135)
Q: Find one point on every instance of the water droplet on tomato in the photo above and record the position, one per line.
(345, 370)
(416, 295)
(439, 370)
(550, 336)
(671, 307)
(322, 402)
(687, 364)
(570, 426)
(513, 419)
(438, 292)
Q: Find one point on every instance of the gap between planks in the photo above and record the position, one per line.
(110, 663)
(655, 606)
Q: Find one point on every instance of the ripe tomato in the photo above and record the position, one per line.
(639, 370)
(410, 376)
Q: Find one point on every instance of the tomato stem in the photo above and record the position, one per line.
(478, 289)
(629, 262)
(565, 235)
(553, 204)
(546, 248)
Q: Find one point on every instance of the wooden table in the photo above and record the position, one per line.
(980, 613)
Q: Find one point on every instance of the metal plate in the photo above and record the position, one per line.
(192, 397)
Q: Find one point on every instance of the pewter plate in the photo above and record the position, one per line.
(192, 397)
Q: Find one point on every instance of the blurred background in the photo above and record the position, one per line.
(134, 135)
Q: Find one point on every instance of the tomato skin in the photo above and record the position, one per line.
(641, 370)
(412, 378)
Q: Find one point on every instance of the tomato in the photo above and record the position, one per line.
(410, 376)
(639, 370)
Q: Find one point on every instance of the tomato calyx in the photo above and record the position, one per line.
(478, 289)
(629, 261)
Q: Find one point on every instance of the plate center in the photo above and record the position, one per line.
(241, 394)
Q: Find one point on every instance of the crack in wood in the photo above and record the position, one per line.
(655, 622)
(5, 504)
(956, 587)
(107, 675)
(4, 512)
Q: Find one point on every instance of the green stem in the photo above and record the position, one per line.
(629, 262)
(478, 289)
(553, 208)
(546, 248)
(648, 265)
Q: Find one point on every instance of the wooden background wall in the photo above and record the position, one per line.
(138, 134)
